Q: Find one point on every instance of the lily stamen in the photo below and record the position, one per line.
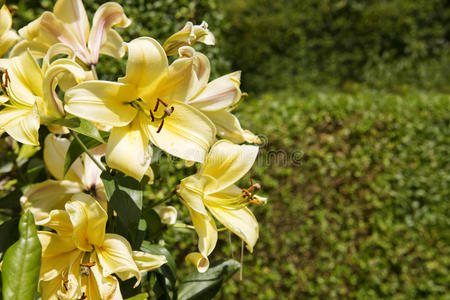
(157, 104)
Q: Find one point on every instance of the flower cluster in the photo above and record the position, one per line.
(49, 80)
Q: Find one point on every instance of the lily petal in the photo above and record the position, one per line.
(219, 94)
(74, 16)
(241, 222)
(189, 35)
(186, 133)
(191, 192)
(103, 38)
(21, 124)
(206, 230)
(227, 163)
(128, 150)
(147, 262)
(88, 220)
(55, 150)
(115, 256)
(7, 40)
(5, 19)
(102, 287)
(168, 214)
(146, 66)
(41, 198)
(199, 261)
(102, 101)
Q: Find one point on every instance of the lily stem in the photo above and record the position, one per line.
(94, 72)
(168, 196)
(99, 165)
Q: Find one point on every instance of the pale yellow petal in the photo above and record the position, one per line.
(53, 52)
(73, 14)
(186, 133)
(191, 191)
(199, 261)
(128, 150)
(228, 127)
(7, 40)
(219, 94)
(103, 287)
(5, 19)
(148, 262)
(102, 101)
(116, 257)
(241, 222)
(146, 66)
(21, 124)
(36, 48)
(54, 244)
(189, 35)
(187, 75)
(55, 150)
(88, 220)
(53, 107)
(43, 197)
(50, 288)
(206, 230)
(103, 38)
(60, 221)
(227, 163)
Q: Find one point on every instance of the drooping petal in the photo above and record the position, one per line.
(228, 127)
(100, 286)
(102, 101)
(5, 19)
(116, 257)
(206, 230)
(199, 261)
(147, 262)
(36, 48)
(186, 133)
(230, 198)
(227, 163)
(54, 51)
(50, 288)
(88, 220)
(128, 150)
(55, 150)
(189, 35)
(60, 221)
(91, 174)
(103, 38)
(146, 66)
(187, 75)
(219, 94)
(241, 222)
(53, 107)
(73, 14)
(41, 198)
(21, 124)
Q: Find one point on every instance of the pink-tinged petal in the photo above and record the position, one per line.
(102, 37)
(73, 14)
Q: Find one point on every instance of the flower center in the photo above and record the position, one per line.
(151, 114)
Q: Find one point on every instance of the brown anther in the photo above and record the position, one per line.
(65, 284)
(160, 126)
(83, 296)
(157, 104)
(89, 264)
(168, 111)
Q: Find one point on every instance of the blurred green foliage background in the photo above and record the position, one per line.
(352, 100)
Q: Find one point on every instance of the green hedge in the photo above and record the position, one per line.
(287, 43)
(361, 212)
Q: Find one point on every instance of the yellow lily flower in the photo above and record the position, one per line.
(215, 99)
(46, 199)
(188, 36)
(80, 265)
(8, 37)
(68, 24)
(144, 106)
(212, 191)
(31, 94)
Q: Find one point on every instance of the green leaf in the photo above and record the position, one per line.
(125, 197)
(75, 150)
(143, 296)
(27, 151)
(82, 126)
(155, 227)
(22, 262)
(206, 285)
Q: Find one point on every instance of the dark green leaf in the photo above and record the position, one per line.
(8, 234)
(22, 262)
(206, 285)
(154, 225)
(82, 126)
(34, 167)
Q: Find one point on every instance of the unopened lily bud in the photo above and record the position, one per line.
(168, 214)
(188, 36)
